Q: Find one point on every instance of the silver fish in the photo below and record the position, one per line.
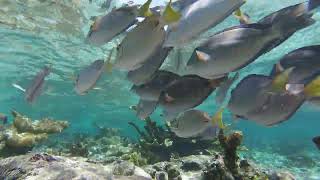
(145, 73)
(146, 108)
(198, 18)
(252, 100)
(36, 87)
(306, 65)
(305, 62)
(151, 91)
(88, 77)
(277, 109)
(246, 42)
(140, 44)
(224, 87)
(185, 93)
(105, 28)
(302, 10)
(190, 123)
(247, 95)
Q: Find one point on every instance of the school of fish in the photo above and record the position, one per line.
(213, 65)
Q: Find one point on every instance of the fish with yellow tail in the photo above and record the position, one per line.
(254, 100)
(186, 93)
(248, 42)
(88, 76)
(107, 27)
(150, 32)
(306, 64)
(195, 123)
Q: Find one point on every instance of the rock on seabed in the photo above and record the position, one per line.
(43, 166)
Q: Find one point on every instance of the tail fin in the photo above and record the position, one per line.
(290, 19)
(313, 88)
(291, 24)
(313, 4)
(217, 119)
(108, 64)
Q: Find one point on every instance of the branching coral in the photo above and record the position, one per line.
(24, 133)
(158, 143)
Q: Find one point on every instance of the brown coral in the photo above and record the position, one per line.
(24, 124)
(15, 139)
(24, 133)
(230, 145)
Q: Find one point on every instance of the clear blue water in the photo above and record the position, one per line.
(34, 34)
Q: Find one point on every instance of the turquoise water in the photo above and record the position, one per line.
(37, 33)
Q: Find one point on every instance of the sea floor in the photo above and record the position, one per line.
(157, 152)
(304, 165)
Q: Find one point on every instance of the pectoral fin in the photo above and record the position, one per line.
(202, 56)
(168, 98)
(280, 81)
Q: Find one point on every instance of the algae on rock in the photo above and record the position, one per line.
(47, 126)
(24, 134)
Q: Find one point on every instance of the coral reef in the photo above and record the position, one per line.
(160, 153)
(160, 144)
(24, 124)
(122, 157)
(107, 146)
(208, 167)
(230, 145)
(38, 166)
(24, 134)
